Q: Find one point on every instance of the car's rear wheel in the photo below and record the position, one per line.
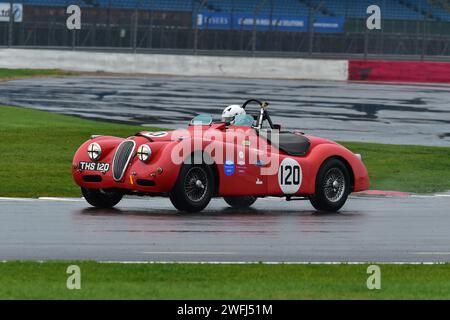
(240, 202)
(193, 189)
(332, 186)
(102, 198)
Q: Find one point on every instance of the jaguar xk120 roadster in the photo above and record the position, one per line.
(241, 161)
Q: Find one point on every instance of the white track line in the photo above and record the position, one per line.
(61, 199)
(188, 253)
(431, 196)
(244, 262)
(15, 199)
(433, 253)
(18, 199)
(273, 262)
(6, 199)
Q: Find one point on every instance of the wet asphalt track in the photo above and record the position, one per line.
(368, 229)
(407, 114)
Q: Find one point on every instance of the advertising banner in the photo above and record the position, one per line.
(245, 21)
(4, 12)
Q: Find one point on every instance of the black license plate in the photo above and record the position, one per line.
(93, 166)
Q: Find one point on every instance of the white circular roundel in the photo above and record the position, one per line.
(156, 134)
(290, 176)
(159, 134)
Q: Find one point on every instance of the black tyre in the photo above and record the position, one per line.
(332, 186)
(102, 198)
(193, 189)
(240, 202)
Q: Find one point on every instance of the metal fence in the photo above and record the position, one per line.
(205, 26)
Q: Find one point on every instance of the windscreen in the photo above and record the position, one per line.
(201, 119)
(243, 120)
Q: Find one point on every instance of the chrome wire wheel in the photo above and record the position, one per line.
(334, 185)
(196, 184)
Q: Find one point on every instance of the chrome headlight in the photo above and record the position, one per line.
(144, 153)
(94, 151)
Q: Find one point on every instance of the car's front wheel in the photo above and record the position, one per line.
(193, 189)
(102, 198)
(240, 202)
(332, 186)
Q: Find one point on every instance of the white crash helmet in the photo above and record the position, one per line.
(230, 112)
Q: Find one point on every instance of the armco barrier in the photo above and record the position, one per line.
(180, 65)
(399, 71)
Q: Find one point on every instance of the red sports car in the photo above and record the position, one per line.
(240, 161)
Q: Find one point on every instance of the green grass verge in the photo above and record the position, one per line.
(6, 74)
(36, 150)
(37, 147)
(405, 168)
(33, 280)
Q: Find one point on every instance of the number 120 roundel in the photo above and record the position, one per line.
(241, 158)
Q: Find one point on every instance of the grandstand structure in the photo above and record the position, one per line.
(409, 27)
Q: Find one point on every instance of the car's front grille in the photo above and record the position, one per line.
(122, 158)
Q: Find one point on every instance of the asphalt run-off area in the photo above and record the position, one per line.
(401, 114)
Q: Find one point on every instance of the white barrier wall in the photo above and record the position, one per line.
(180, 65)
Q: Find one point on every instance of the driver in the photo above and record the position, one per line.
(230, 112)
